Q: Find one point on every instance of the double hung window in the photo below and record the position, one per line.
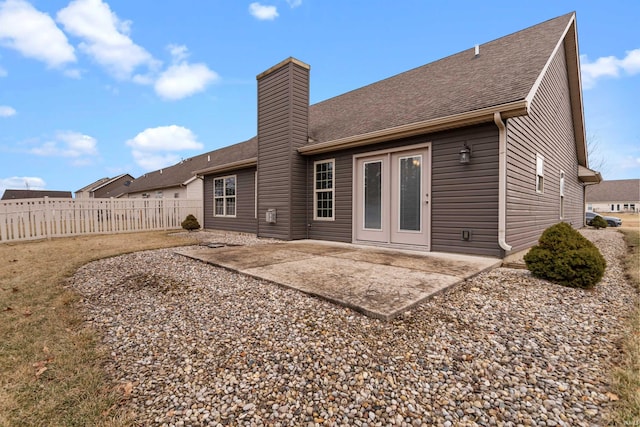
(323, 189)
(224, 196)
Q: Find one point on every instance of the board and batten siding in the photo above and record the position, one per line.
(463, 197)
(283, 104)
(245, 219)
(547, 131)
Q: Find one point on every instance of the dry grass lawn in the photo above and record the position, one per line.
(627, 376)
(50, 366)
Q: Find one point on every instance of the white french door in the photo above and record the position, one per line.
(391, 203)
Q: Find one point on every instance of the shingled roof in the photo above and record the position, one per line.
(505, 71)
(34, 194)
(504, 75)
(620, 190)
(181, 173)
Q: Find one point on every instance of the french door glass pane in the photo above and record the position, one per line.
(410, 173)
(373, 195)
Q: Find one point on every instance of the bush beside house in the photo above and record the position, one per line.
(566, 257)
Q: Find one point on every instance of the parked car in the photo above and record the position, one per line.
(612, 221)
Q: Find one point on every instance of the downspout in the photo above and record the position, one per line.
(502, 182)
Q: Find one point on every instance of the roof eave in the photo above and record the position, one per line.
(588, 176)
(569, 41)
(484, 115)
(240, 164)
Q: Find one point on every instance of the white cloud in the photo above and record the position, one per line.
(262, 12)
(3, 72)
(152, 148)
(151, 162)
(294, 3)
(71, 144)
(22, 183)
(179, 53)
(182, 80)
(631, 63)
(165, 138)
(608, 66)
(105, 37)
(34, 34)
(6, 111)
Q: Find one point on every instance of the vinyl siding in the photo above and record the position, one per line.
(245, 220)
(548, 131)
(462, 196)
(283, 100)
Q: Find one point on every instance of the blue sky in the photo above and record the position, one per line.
(96, 88)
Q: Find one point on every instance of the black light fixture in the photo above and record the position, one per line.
(465, 154)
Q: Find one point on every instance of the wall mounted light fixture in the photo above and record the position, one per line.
(465, 154)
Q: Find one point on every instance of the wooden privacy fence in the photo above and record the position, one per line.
(30, 219)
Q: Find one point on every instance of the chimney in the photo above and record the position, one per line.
(283, 116)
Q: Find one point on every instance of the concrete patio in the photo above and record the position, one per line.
(378, 282)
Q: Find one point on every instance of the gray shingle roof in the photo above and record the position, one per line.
(93, 185)
(180, 173)
(505, 71)
(621, 190)
(34, 194)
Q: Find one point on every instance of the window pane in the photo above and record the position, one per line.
(324, 176)
(218, 185)
(219, 206)
(373, 195)
(410, 212)
(230, 186)
(231, 206)
(324, 204)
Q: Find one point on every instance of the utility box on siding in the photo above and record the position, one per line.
(270, 216)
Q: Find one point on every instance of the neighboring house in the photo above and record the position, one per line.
(476, 153)
(622, 195)
(34, 194)
(180, 182)
(105, 188)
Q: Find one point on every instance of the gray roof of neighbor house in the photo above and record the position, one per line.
(93, 185)
(181, 173)
(34, 194)
(503, 77)
(620, 190)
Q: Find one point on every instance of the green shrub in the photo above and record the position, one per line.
(599, 222)
(566, 257)
(190, 223)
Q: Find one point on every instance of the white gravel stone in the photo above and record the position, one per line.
(206, 346)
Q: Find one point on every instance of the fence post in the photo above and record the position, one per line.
(47, 218)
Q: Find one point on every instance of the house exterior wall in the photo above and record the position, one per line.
(463, 196)
(283, 105)
(547, 131)
(245, 219)
(195, 191)
(614, 206)
(175, 192)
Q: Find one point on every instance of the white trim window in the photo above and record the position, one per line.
(561, 194)
(224, 196)
(323, 190)
(539, 174)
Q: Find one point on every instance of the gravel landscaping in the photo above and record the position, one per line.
(192, 344)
